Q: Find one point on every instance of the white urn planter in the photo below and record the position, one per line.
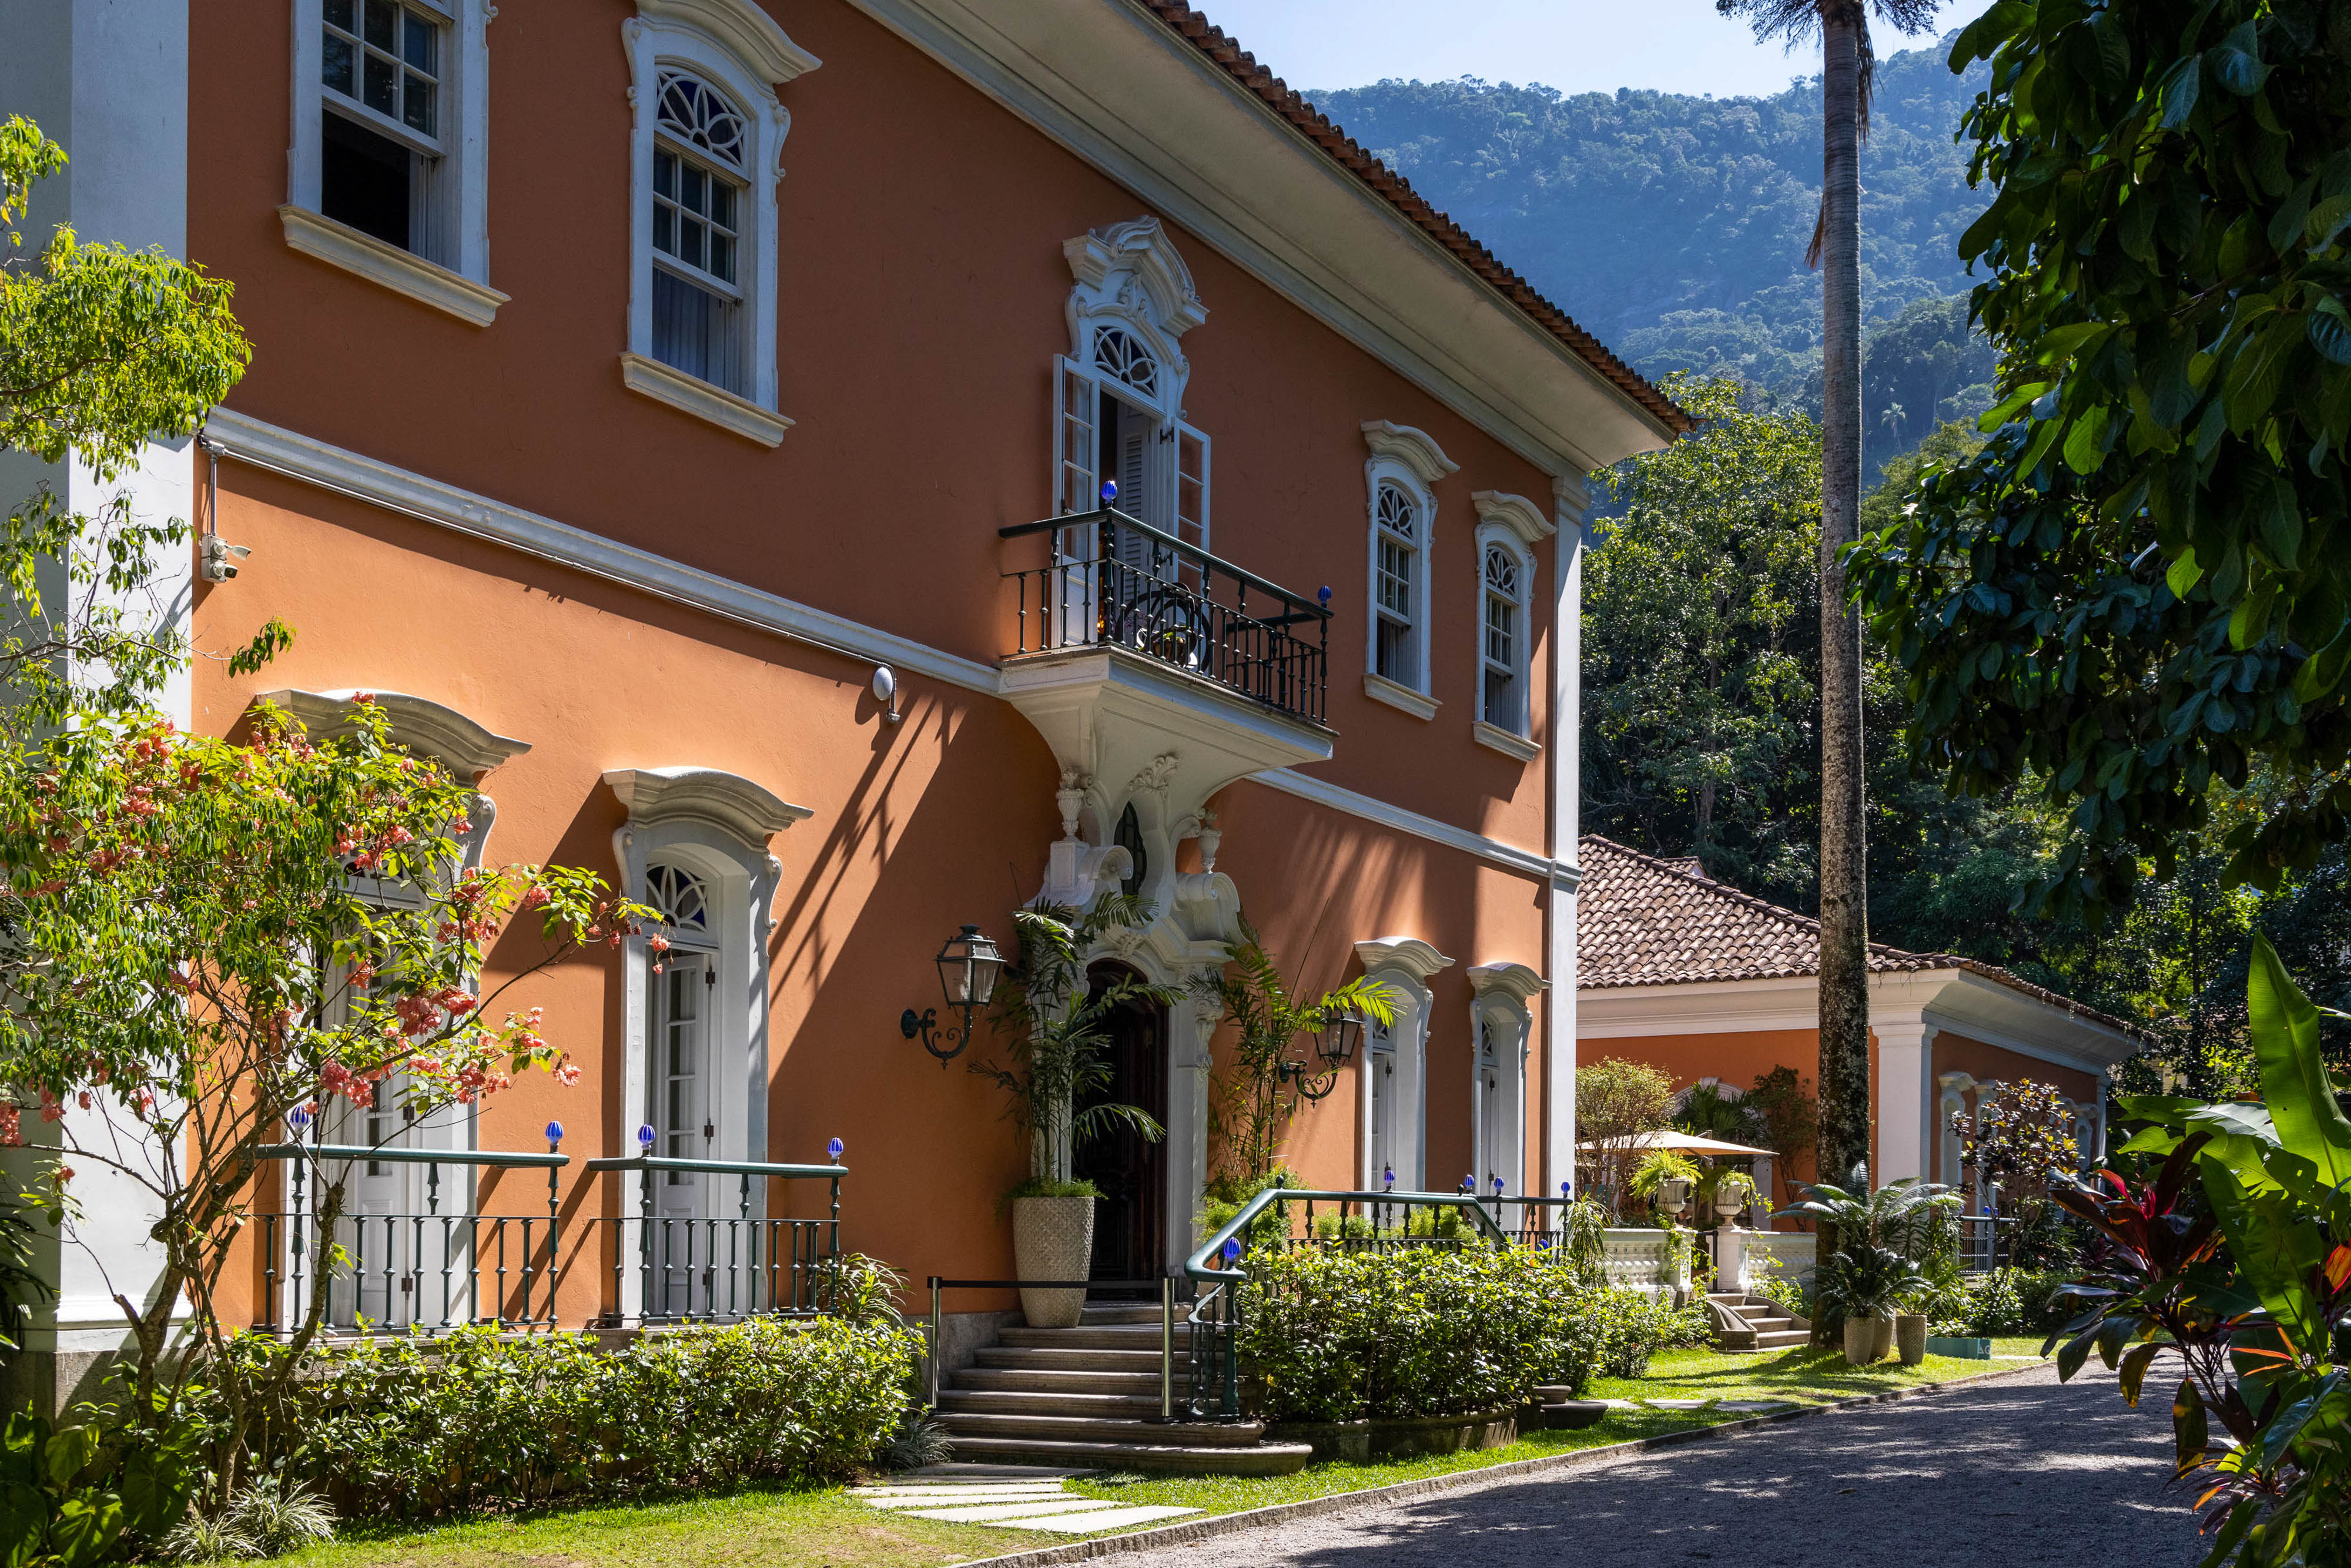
(1052, 1238)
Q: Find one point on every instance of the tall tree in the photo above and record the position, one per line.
(1846, 67)
(1699, 622)
(2142, 583)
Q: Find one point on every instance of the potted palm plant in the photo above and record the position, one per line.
(1869, 1285)
(1056, 1031)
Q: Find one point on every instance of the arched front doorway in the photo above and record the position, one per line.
(1130, 1220)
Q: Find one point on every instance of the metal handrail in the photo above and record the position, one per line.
(497, 1158)
(719, 1168)
(1306, 608)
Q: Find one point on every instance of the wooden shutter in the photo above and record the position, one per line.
(1190, 517)
(1071, 592)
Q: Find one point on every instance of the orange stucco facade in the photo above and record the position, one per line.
(921, 294)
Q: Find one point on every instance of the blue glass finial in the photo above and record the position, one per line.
(555, 1131)
(1109, 491)
(1324, 595)
(1232, 1247)
(1469, 1182)
(834, 1148)
(1563, 1190)
(299, 1116)
(646, 1137)
(1497, 1186)
(1387, 1175)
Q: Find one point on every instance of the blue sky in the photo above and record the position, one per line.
(1576, 46)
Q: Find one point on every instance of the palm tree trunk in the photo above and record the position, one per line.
(1845, 934)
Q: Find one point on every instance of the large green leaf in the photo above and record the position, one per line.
(24, 1522)
(86, 1529)
(2275, 1246)
(2295, 1084)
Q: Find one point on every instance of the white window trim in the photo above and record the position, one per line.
(1519, 742)
(1129, 275)
(1412, 461)
(1498, 995)
(1405, 964)
(739, 49)
(717, 826)
(466, 106)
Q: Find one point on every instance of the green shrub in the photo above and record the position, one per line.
(1340, 1335)
(2001, 1302)
(475, 1420)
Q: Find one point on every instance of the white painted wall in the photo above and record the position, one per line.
(1566, 818)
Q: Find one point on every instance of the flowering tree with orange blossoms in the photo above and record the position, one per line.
(203, 943)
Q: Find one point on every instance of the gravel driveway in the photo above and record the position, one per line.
(2026, 1471)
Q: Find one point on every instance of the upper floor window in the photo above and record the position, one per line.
(390, 101)
(1119, 393)
(1501, 700)
(1400, 477)
(1396, 577)
(697, 232)
(706, 154)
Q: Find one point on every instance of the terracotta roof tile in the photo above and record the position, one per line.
(1317, 127)
(1644, 921)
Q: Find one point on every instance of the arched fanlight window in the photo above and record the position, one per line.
(693, 112)
(1396, 650)
(1501, 701)
(1118, 355)
(683, 902)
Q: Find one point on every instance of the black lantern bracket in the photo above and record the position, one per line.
(1334, 1047)
(969, 966)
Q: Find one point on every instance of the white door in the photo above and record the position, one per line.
(682, 993)
(383, 1224)
(1384, 1107)
(1493, 1114)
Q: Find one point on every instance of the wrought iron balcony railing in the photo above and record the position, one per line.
(430, 1272)
(693, 1264)
(1115, 580)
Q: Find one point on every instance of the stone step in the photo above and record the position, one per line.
(1073, 1359)
(1048, 1402)
(1063, 1380)
(1115, 1313)
(1782, 1339)
(1256, 1459)
(1101, 1429)
(1105, 1336)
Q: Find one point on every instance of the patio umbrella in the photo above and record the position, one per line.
(1680, 1143)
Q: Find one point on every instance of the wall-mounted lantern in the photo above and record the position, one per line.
(969, 966)
(1334, 1046)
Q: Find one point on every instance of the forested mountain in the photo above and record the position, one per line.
(1675, 227)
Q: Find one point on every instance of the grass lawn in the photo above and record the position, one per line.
(832, 1529)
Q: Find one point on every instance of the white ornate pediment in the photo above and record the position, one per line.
(1415, 449)
(1518, 514)
(426, 729)
(1409, 953)
(705, 795)
(743, 28)
(1516, 982)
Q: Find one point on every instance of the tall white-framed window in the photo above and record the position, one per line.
(695, 1025)
(705, 155)
(1399, 587)
(1502, 638)
(1392, 1084)
(391, 146)
(1118, 414)
(1501, 1030)
(1399, 477)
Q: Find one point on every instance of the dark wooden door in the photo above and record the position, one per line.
(1130, 1220)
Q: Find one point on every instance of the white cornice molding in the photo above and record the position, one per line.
(692, 394)
(705, 795)
(1570, 499)
(747, 33)
(1409, 953)
(1398, 695)
(1382, 814)
(1415, 449)
(423, 726)
(475, 516)
(1518, 514)
(387, 266)
(1516, 981)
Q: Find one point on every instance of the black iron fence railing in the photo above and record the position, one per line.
(383, 1269)
(692, 1263)
(1114, 580)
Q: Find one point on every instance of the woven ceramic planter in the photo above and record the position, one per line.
(1052, 1238)
(1911, 1337)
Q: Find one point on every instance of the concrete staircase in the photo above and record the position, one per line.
(1087, 1398)
(1754, 1322)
